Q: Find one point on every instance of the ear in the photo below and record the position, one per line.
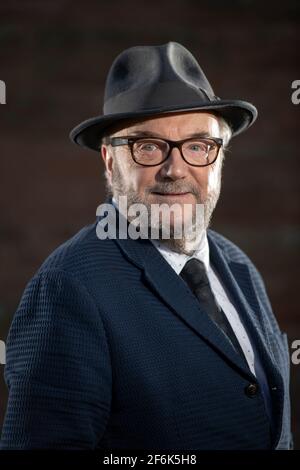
(107, 158)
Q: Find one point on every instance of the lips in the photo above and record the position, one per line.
(171, 194)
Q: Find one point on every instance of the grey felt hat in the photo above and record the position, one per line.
(148, 80)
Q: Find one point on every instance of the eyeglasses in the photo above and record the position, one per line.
(150, 151)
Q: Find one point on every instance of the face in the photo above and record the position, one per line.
(173, 181)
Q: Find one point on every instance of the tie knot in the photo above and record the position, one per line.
(194, 274)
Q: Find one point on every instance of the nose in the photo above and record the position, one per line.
(174, 167)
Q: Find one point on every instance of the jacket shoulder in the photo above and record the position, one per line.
(80, 255)
(233, 254)
(229, 249)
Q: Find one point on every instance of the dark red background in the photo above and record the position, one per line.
(54, 57)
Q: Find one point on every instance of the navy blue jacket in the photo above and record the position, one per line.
(110, 349)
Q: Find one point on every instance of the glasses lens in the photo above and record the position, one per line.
(200, 151)
(150, 151)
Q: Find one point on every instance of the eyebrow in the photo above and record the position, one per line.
(141, 133)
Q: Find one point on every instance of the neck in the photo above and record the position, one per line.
(186, 244)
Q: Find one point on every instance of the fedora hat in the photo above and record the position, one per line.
(149, 80)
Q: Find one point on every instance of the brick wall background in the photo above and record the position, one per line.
(54, 57)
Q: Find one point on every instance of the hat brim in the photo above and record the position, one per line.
(240, 115)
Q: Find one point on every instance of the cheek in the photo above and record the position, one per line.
(143, 177)
(125, 170)
(213, 178)
(201, 178)
(207, 179)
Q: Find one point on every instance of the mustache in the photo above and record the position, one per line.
(174, 187)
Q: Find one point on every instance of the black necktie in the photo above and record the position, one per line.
(194, 274)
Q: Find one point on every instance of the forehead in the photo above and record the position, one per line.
(173, 123)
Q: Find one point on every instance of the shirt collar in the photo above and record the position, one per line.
(178, 260)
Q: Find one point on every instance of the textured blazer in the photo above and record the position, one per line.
(109, 349)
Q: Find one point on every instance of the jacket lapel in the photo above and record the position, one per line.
(229, 273)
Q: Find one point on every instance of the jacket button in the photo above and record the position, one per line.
(251, 390)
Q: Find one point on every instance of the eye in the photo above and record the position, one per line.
(198, 147)
(201, 146)
(148, 147)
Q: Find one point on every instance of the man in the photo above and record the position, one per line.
(144, 342)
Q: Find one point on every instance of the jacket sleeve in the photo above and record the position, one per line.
(58, 369)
